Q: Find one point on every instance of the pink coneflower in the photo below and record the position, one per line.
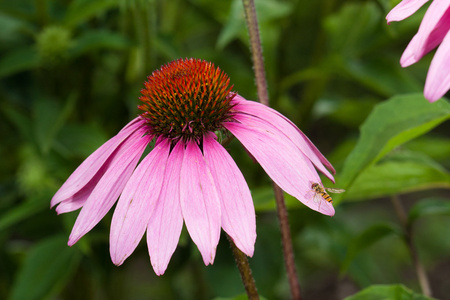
(433, 32)
(188, 175)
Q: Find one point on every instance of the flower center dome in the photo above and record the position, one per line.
(185, 99)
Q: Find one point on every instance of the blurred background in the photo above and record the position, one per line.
(70, 77)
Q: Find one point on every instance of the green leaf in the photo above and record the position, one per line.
(82, 10)
(363, 53)
(46, 269)
(49, 119)
(22, 212)
(387, 292)
(12, 29)
(100, 39)
(18, 60)
(429, 207)
(350, 40)
(436, 147)
(367, 238)
(382, 74)
(401, 173)
(391, 124)
(234, 25)
(20, 120)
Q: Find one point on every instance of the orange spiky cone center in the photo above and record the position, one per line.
(185, 99)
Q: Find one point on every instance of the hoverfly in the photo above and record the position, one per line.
(320, 192)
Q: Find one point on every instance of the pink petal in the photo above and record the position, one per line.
(438, 77)
(404, 9)
(238, 213)
(432, 30)
(77, 201)
(95, 164)
(280, 158)
(166, 222)
(287, 128)
(108, 189)
(200, 202)
(137, 203)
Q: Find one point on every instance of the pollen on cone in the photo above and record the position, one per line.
(186, 98)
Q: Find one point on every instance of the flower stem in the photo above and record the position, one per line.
(244, 269)
(407, 228)
(288, 250)
(256, 48)
(263, 95)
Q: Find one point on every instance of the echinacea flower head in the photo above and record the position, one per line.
(434, 31)
(188, 177)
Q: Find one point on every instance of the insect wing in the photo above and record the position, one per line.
(318, 197)
(335, 191)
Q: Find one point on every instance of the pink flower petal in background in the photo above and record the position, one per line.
(200, 202)
(166, 222)
(432, 30)
(238, 213)
(404, 9)
(438, 77)
(137, 202)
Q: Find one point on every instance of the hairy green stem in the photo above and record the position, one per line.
(244, 269)
(263, 95)
(407, 228)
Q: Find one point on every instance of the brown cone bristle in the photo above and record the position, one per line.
(186, 98)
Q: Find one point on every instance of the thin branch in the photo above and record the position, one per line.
(407, 228)
(256, 48)
(288, 250)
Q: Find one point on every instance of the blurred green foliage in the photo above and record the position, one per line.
(71, 72)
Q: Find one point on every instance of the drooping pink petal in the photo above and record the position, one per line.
(280, 158)
(432, 30)
(137, 203)
(404, 9)
(92, 166)
(273, 118)
(77, 201)
(238, 213)
(200, 203)
(166, 222)
(438, 77)
(109, 187)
